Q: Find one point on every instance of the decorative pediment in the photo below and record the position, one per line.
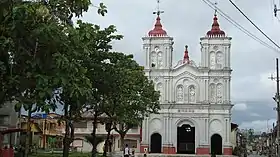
(181, 63)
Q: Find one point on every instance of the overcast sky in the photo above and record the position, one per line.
(187, 21)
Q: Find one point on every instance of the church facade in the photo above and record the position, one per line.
(195, 115)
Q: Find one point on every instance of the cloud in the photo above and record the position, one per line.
(240, 107)
(255, 115)
(252, 63)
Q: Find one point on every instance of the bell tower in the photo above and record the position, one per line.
(157, 46)
(215, 48)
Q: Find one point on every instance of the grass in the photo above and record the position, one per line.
(76, 154)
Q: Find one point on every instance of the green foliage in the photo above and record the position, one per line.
(131, 96)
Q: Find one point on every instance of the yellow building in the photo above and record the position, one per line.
(45, 129)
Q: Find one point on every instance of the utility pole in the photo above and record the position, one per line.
(277, 100)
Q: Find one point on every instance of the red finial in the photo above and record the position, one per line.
(215, 31)
(158, 30)
(186, 56)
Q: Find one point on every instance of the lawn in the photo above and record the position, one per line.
(60, 155)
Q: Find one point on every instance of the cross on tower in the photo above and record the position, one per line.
(158, 12)
(216, 3)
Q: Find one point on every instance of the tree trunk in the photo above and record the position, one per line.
(66, 144)
(107, 142)
(28, 134)
(122, 141)
(93, 134)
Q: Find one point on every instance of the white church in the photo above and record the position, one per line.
(196, 108)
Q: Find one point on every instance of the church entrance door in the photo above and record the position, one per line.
(156, 143)
(186, 139)
(216, 144)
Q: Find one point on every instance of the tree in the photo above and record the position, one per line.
(131, 96)
(35, 39)
(97, 42)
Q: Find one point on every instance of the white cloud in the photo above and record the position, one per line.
(240, 107)
(255, 115)
(258, 125)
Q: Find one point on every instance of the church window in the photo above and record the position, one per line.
(153, 59)
(159, 88)
(186, 94)
(212, 93)
(159, 59)
(219, 60)
(219, 93)
(212, 60)
(192, 94)
(179, 93)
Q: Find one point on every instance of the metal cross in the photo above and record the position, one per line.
(216, 3)
(272, 77)
(158, 12)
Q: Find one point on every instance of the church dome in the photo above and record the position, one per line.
(158, 30)
(215, 30)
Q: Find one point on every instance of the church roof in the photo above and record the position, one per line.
(215, 30)
(158, 30)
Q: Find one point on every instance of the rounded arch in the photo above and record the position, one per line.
(186, 78)
(215, 119)
(191, 81)
(215, 126)
(156, 143)
(216, 144)
(189, 121)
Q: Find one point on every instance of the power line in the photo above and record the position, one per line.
(253, 23)
(237, 25)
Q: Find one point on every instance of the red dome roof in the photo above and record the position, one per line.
(215, 31)
(157, 31)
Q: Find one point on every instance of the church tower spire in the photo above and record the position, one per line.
(215, 30)
(215, 48)
(158, 46)
(158, 30)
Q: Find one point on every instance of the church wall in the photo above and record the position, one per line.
(199, 96)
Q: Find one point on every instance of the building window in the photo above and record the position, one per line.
(80, 124)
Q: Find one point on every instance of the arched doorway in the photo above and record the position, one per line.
(186, 139)
(155, 143)
(216, 144)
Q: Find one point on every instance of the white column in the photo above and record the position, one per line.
(228, 89)
(147, 56)
(224, 90)
(147, 130)
(170, 130)
(225, 56)
(144, 131)
(165, 89)
(207, 56)
(200, 88)
(172, 92)
(164, 131)
(207, 90)
(207, 131)
(228, 51)
(226, 130)
(166, 57)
